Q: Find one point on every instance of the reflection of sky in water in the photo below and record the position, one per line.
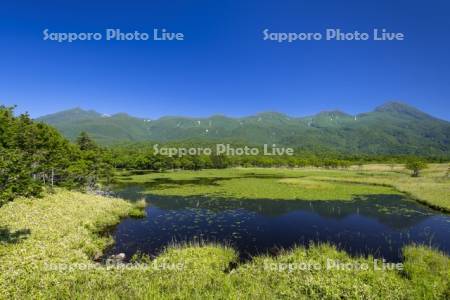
(378, 225)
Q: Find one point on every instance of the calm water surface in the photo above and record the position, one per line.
(379, 225)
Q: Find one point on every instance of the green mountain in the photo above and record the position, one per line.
(393, 128)
(103, 128)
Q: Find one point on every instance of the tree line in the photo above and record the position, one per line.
(140, 156)
(34, 156)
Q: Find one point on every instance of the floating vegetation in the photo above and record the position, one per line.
(304, 184)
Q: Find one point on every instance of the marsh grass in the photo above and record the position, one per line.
(138, 209)
(283, 189)
(431, 188)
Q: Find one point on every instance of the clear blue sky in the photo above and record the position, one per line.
(224, 66)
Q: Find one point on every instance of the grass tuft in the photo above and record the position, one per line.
(138, 209)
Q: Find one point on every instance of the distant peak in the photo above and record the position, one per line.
(218, 116)
(400, 108)
(272, 114)
(79, 110)
(76, 112)
(395, 106)
(121, 114)
(333, 113)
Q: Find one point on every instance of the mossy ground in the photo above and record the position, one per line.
(63, 228)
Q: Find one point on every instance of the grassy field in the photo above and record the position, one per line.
(432, 188)
(61, 229)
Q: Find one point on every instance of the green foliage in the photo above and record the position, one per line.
(34, 155)
(219, 161)
(85, 142)
(15, 176)
(140, 156)
(415, 166)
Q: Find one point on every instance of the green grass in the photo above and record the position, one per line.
(264, 188)
(432, 188)
(64, 228)
(138, 209)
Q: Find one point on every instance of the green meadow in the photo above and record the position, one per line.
(66, 229)
(432, 188)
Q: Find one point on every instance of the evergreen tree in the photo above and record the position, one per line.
(34, 155)
(85, 142)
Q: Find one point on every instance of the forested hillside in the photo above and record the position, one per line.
(393, 128)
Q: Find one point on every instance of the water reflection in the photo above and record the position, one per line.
(370, 224)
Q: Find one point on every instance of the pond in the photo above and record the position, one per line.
(379, 225)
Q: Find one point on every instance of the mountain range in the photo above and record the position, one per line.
(392, 128)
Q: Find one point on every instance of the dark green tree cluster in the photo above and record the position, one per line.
(34, 155)
(143, 158)
(140, 156)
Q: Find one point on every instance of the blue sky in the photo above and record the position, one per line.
(224, 66)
